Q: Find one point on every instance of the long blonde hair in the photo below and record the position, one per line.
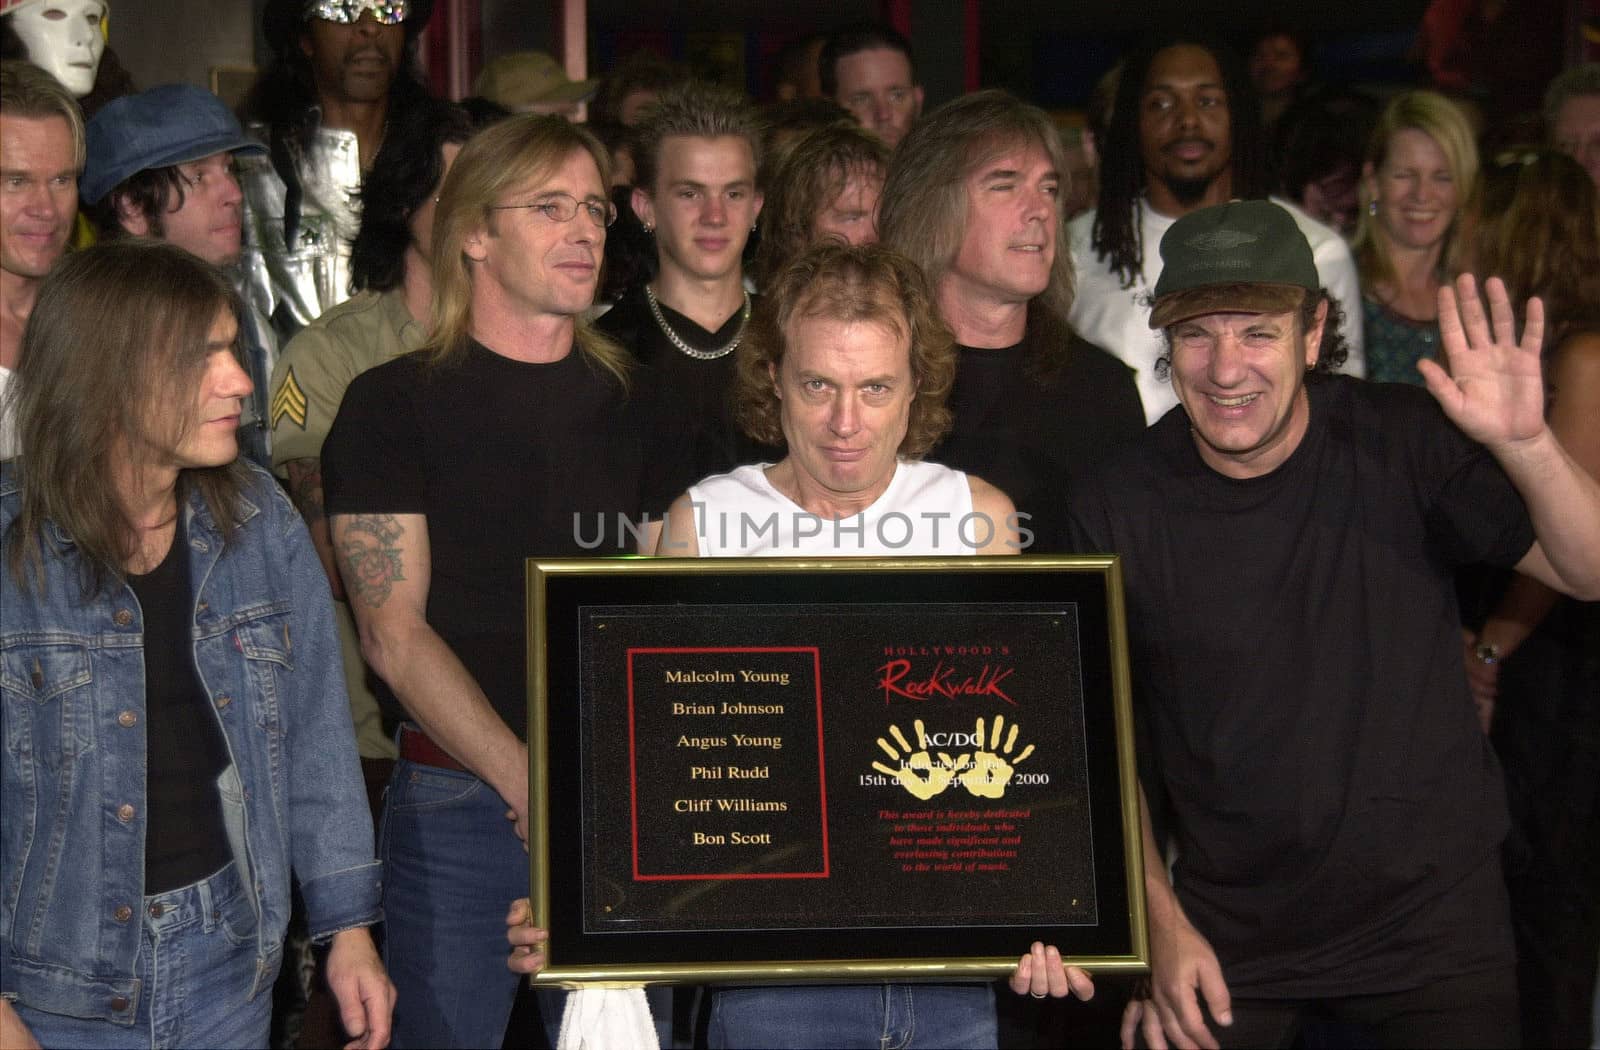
(1442, 121)
(512, 153)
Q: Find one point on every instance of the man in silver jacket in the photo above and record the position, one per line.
(339, 69)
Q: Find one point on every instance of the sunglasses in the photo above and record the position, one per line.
(348, 12)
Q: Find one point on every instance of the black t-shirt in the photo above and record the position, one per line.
(184, 838)
(507, 460)
(688, 399)
(1297, 669)
(1028, 436)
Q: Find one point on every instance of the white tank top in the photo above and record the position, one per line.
(927, 509)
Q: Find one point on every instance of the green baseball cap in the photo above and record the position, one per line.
(1239, 257)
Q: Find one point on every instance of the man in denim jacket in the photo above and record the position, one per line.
(175, 735)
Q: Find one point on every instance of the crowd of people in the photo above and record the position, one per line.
(288, 396)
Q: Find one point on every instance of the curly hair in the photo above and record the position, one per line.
(284, 96)
(814, 171)
(867, 284)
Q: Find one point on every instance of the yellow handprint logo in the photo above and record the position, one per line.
(916, 770)
(991, 768)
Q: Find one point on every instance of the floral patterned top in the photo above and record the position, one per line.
(1395, 344)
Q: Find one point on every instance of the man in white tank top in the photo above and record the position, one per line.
(848, 368)
(847, 365)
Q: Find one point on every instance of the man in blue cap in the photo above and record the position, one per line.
(161, 165)
(1289, 539)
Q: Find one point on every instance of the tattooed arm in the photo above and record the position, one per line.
(305, 489)
(386, 564)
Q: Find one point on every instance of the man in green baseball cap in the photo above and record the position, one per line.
(1240, 276)
(1307, 740)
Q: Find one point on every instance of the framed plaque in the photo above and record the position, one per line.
(793, 769)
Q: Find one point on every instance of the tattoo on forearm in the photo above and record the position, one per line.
(305, 488)
(369, 559)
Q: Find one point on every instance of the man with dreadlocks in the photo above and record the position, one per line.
(340, 68)
(1184, 135)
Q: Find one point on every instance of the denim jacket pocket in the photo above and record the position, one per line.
(269, 656)
(49, 711)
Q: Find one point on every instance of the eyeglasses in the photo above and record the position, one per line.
(561, 207)
(348, 12)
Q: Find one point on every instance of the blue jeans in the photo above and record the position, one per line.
(452, 865)
(868, 1016)
(196, 965)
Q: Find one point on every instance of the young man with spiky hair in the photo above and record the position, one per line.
(1184, 134)
(697, 150)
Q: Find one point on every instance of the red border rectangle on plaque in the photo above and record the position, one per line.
(822, 765)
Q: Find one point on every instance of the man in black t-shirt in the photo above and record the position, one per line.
(697, 148)
(1288, 539)
(1032, 403)
(509, 435)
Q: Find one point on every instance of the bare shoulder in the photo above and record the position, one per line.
(987, 499)
(990, 503)
(679, 538)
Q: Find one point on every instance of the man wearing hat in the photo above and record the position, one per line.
(161, 165)
(340, 68)
(532, 82)
(1307, 740)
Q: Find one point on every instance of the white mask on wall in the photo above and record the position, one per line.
(63, 38)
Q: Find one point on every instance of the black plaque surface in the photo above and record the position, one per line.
(784, 769)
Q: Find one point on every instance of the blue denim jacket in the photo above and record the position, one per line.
(72, 766)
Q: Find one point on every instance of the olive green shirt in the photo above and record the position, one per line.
(313, 371)
(308, 383)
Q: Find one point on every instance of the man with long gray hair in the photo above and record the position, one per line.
(973, 196)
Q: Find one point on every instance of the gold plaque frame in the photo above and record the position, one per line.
(570, 607)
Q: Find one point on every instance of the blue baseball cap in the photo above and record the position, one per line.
(169, 124)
